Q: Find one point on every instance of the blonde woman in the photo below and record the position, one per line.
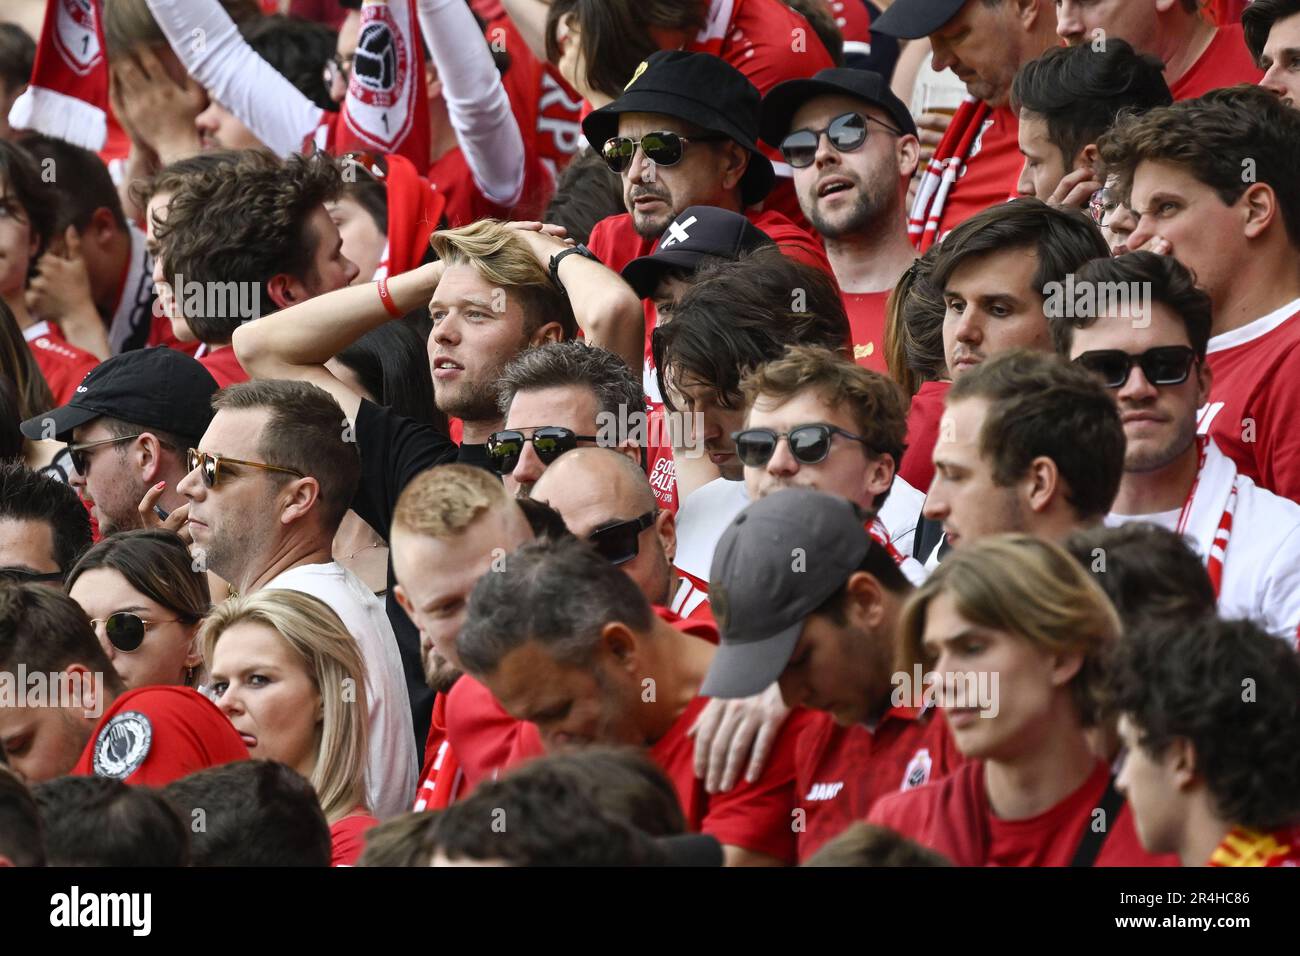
(1016, 633)
(292, 682)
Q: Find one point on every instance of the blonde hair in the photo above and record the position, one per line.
(443, 502)
(504, 259)
(1030, 588)
(333, 660)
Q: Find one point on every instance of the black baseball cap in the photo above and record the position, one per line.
(784, 99)
(778, 561)
(696, 233)
(913, 19)
(701, 89)
(154, 388)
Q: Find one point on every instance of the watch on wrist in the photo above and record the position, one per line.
(579, 249)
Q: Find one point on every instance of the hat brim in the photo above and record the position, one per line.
(602, 124)
(913, 19)
(644, 272)
(784, 100)
(743, 670)
(64, 420)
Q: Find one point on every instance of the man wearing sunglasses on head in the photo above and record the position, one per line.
(853, 148)
(1151, 356)
(44, 528)
(128, 427)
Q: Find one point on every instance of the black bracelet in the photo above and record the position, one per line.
(556, 259)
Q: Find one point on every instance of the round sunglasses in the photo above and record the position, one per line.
(549, 443)
(620, 543)
(846, 132)
(809, 444)
(663, 148)
(125, 631)
(1163, 365)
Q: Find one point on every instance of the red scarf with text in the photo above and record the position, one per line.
(946, 165)
(67, 97)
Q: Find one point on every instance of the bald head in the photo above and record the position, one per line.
(595, 489)
(589, 486)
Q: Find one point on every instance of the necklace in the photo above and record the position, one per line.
(377, 544)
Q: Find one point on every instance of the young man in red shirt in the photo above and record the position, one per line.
(1212, 768)
(568, 642)
(1198, 56)
(977, 163)
(1272, 29)
(823, 628)
(1013, 632)
(852, 146)
(1212, 183)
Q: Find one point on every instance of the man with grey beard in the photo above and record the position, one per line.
(853, 147)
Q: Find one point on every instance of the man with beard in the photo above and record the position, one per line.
(853, 147)
(1153, 362)
(268, 485)
(128, 427)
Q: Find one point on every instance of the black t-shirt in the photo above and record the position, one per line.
(393, 450)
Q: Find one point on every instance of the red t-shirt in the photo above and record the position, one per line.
(1254, 397)
(1246, 847)
(953, 817)
(1228, 11)
(840, 772)
(1225, 62)
(153, 735)
(991, 173)
(348, 838)
(754, 816)
(62, 364)
(224, 366)
(922, 432)
(866, 311)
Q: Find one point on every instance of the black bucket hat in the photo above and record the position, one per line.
(699, 88)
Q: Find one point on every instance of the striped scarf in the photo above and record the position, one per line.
(946, 165)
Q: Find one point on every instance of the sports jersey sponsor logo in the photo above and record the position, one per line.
(664, 475)
(824, 791)
(918, 770)
(123, 745)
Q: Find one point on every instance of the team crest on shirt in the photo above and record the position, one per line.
(918, 770)
(76, 36)
(123, 745)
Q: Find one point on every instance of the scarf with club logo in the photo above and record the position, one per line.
(946, 165)
(67, 97)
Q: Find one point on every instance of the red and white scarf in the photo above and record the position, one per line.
(387, 105)
(946, 165)
(67, 97)
(1207, 513)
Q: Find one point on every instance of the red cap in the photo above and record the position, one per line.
(154, 735)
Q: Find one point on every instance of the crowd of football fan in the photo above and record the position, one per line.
(704, 432)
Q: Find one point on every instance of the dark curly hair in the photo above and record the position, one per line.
(245, 221)
(1233, 691)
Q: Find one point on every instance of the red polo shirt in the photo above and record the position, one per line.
(841, 772)
(62, 364)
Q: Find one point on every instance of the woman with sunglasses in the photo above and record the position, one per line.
(145, 601)
(292, 682)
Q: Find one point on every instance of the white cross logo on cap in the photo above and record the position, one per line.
(677, 232)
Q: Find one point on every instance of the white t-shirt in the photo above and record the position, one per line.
(392, 769)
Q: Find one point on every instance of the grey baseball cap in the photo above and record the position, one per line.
(778, 561)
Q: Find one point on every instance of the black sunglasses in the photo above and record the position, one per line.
(620, 543)
(126, 630)
(808, 443)
(81, 460)
(662, 148)
(1164, 365)
(847, 132)
(23, 576)
(549, 443)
